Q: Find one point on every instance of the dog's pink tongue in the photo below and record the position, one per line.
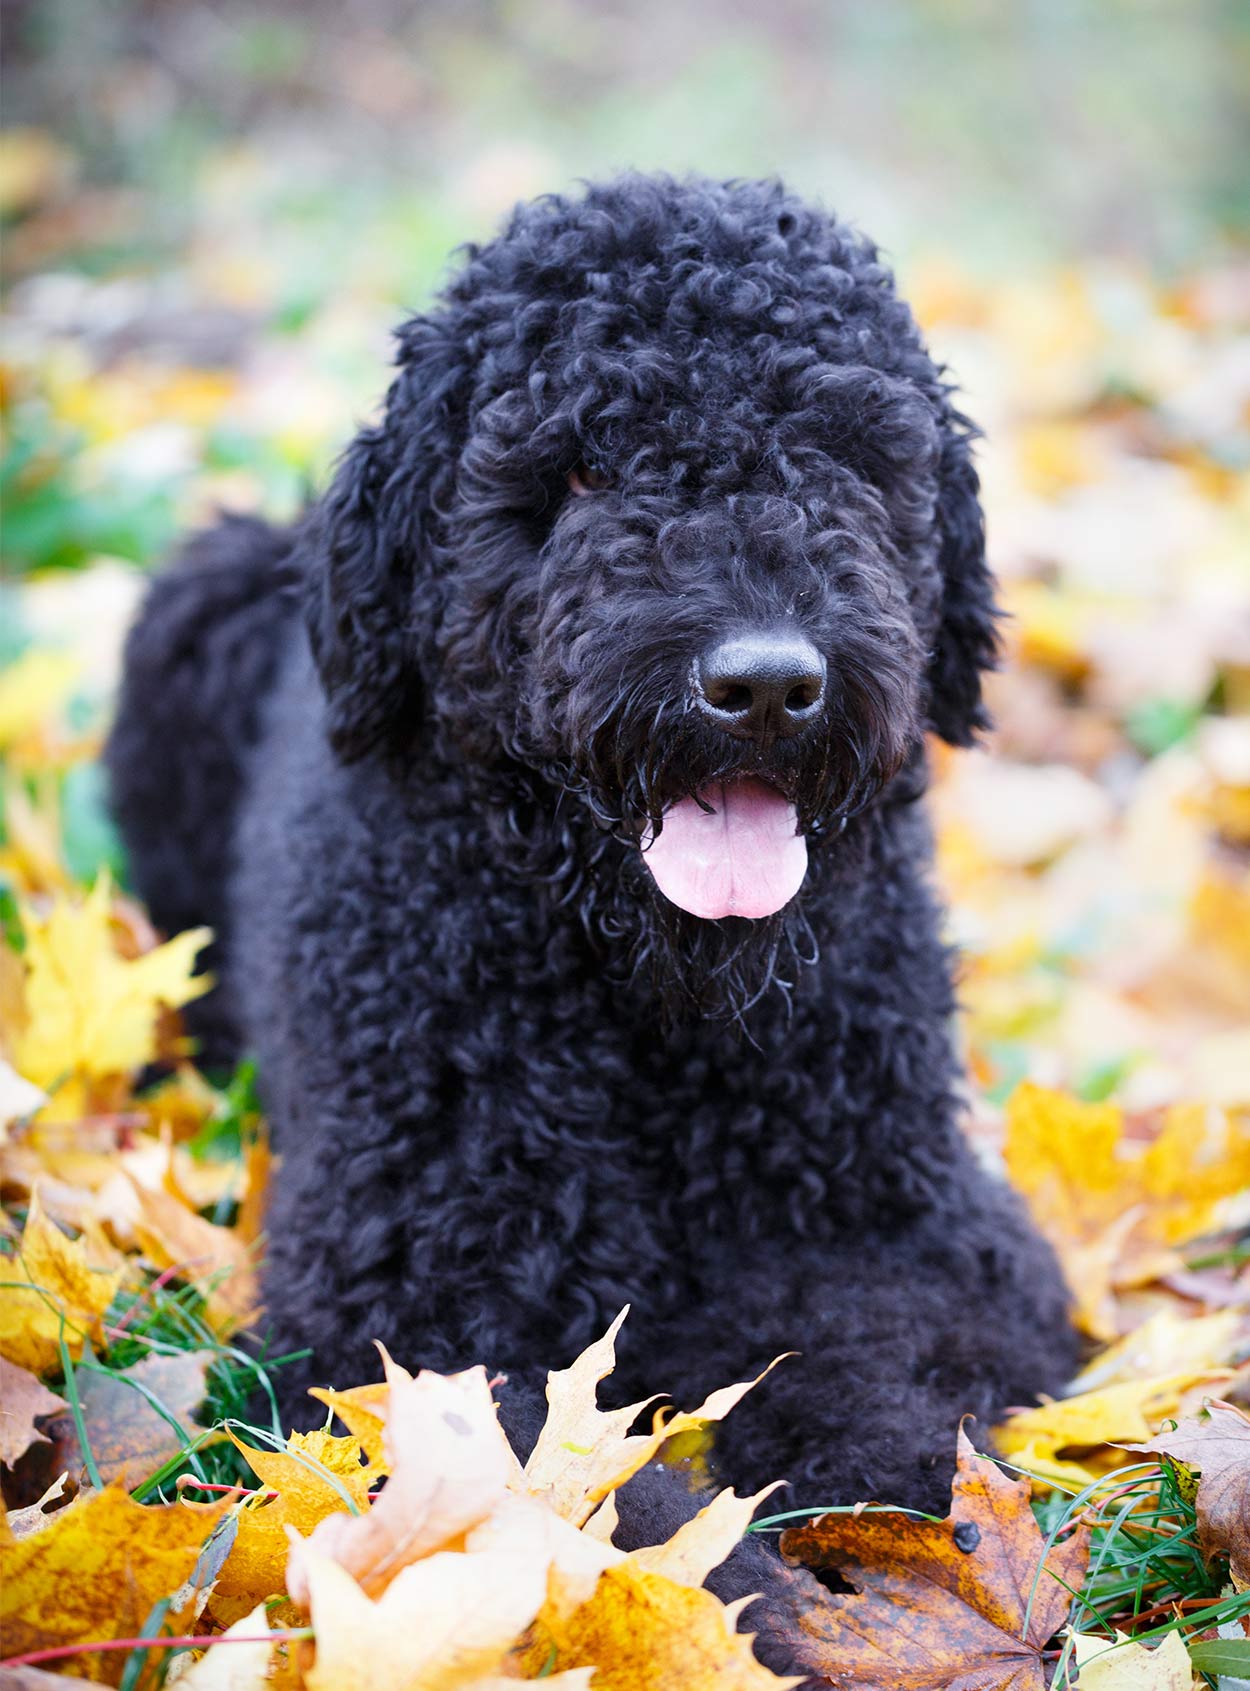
(745, 859)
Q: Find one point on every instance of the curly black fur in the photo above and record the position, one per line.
(512, 1085)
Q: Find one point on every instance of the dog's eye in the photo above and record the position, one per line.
(584, 480)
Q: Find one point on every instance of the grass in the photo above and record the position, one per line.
(1147, 1576)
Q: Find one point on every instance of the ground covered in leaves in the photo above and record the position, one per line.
(1096, 858)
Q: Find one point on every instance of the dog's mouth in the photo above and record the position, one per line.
(734, 849)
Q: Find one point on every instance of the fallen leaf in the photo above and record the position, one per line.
(449, 1464)
(232, 1666)
(314, 1477)
(1121, 1665)
(129, 1438)
(18, 1098)
(1035, 1439)
(440, 1622)
(1166, 1343)
(22, 1400)
(50, 1291)
(525, 1525)
(94, 1572)
(640, 1629)
(1114, 1209)
(362, 1410)
(34, 166)
(35, 686)
(702, 1543)
(584, 1452)
(217, 1259)
(1217, 1444)
(21, 1523)
(92, 1012)
(939, 1603)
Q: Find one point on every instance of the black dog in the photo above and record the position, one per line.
(552, 788)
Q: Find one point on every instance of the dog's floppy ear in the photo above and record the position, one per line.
(374, 550)
(966, 642)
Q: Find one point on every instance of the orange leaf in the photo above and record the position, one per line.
(939, 1602)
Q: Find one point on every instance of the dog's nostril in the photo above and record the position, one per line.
(761, 686)
(729, 696)
(804, 696)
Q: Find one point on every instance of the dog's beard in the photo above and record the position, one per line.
(640, 757)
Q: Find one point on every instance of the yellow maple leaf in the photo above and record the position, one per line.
(244, 1666)
(1114, 1209)
(703, 1542)
(51, 1289)
(94, 1572)
(639, 1628)
(442, 1622)
(449, 1465)
(1085, 1425)
(315, 1476)
(584, 1452)
(90, 1011)
(362, 1410)
(1165, 1343)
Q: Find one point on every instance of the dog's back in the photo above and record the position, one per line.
(200, 662)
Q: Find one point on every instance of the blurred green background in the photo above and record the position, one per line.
(214, 212)
(1000, 126)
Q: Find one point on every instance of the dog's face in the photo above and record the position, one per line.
(670, 510)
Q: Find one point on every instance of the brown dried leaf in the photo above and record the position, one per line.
(22, 1400)
(128, 1437)
(1217, 1443)
(938, 1603)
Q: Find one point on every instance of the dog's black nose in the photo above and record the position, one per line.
(761, 686)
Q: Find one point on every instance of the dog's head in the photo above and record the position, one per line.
(670, 510)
